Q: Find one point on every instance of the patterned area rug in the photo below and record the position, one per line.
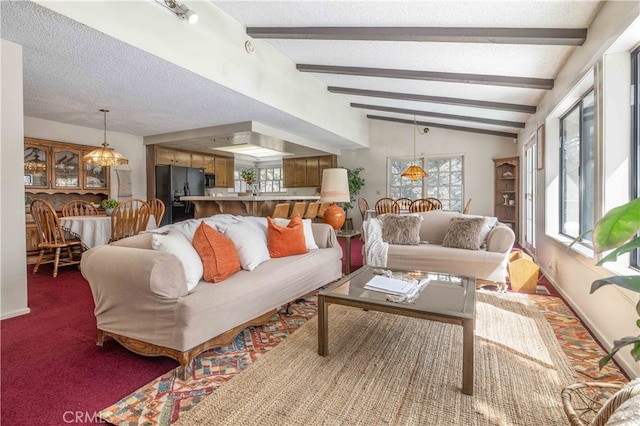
(161, 401)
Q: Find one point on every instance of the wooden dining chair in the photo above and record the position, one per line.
(312, 210)
(437, 203)
(129, 218)
(156, 208)
(51, 237)
(404, 203)
(281, 210)
(79, 208)
(421, 205)
(363, 205)
(467, 207)
(298, 208)
(386, 205)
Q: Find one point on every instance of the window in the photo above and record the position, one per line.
(270, 179)
(577, 169)
(399, 186)
(635, 138)
(239, 185)
(444, 181)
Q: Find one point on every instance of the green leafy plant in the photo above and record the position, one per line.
(248, 175)
(109, 203)
(356, 182)
(28, 199)
(618, 230)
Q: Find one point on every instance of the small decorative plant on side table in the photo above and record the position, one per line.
(108, 205)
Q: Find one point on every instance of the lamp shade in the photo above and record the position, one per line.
(335, 186)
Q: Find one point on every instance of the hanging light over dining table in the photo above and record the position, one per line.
(415, 172)
(105, 156)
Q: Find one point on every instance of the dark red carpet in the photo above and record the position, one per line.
(52, 371)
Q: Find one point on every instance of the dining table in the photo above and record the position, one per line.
(93, 230)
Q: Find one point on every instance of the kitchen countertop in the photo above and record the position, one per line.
(252, 198)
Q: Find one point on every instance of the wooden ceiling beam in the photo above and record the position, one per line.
(534, 36)
(489, 121)
(445, 126)
(528, 109)
(449, 77)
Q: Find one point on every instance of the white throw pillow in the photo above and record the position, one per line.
(307, 229)
(177, 244)
(251, 247)
(259, 224)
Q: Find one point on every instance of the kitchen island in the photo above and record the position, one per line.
(252, 205)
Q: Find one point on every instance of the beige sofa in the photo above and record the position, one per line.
(488, 265)
(142, 301)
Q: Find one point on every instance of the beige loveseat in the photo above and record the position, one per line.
(142, 301)
(487, 264)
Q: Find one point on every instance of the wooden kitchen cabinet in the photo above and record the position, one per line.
(312, 166)
(164, 156)
(173, 157)
(224, 172)
(209, 164)
(182, 158)
(197, 160)
(306, 171)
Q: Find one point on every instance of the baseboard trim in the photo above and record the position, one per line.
(15, 313)
(627, 368)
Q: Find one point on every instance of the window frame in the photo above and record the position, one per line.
(423, 161)
(635, 141)
(583, 165)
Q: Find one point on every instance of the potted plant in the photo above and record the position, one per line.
(27, 202)
(248, 175)
(108, 205)
(356, 182)
(618, 230)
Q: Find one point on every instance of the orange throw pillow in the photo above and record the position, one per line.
(219, 256)
(286, 240)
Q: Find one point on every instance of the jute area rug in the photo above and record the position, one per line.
(388, 369)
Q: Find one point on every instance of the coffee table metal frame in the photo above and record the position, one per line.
(465, 317)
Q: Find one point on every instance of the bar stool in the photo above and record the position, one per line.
(281, 210)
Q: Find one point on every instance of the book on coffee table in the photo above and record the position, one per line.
(390, 285)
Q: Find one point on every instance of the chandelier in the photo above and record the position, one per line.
(415, 172)
(35, 165)
(105, 156)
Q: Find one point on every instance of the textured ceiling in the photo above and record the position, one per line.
(71, 70)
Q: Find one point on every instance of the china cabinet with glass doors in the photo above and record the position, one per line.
(56, 167)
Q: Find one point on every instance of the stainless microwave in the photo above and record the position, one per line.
(209, 180)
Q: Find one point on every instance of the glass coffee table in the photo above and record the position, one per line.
(446, 298)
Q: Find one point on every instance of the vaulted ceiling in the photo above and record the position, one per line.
(478, 66)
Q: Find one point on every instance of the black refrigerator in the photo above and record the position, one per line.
(172, 182)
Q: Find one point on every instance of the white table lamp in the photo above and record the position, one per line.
(335, 189)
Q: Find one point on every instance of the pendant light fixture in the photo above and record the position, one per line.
(415, 172)
(105, 156)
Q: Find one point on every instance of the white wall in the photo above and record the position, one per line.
(610, 313)
(128, 145)
(13, 274)
(388, 139)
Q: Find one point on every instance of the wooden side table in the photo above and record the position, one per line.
(347, 235)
